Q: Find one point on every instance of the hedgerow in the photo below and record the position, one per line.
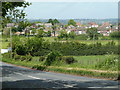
(38, 47)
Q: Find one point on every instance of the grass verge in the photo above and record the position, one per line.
(81, 72)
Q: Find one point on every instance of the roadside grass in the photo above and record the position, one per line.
(84, 67)
(90, 61)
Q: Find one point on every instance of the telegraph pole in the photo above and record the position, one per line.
(10, 25)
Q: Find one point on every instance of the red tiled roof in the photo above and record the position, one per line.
(105, 24)
(78, 23)
(92, 23)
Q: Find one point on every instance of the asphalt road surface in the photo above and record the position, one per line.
(18, 78)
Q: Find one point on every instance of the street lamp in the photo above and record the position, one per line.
(10, 25)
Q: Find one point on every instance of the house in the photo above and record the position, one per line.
(48, 25)
(19, 33)
(71, 27)
(78, 24)
(10, 24)
(39, 24)
(105, 29)
(92, 25)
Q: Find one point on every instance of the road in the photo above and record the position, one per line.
(19, 77)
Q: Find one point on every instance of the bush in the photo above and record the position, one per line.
(6, 40)
(41, 58)
(22, 58)
(68, 59)
(39, 67)
(21, 49)
(51, 57)
(28, 58)
(17, 57)
(109, 63)
(6, 55)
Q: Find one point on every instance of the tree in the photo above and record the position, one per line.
(33, 31)
(48, 34)
(10, 13)
(63, 34)
(54, 29)
(56, 21)
(8, 6)
(71, 22)
(53, 22)
(72, 34)
(22, 25)
(50, 21)
(40, 33)
(92, 33)
(14, 29)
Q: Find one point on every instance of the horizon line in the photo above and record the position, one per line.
(71, 18)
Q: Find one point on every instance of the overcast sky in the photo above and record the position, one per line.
(73, 10)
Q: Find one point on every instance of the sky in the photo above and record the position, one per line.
(72, 10)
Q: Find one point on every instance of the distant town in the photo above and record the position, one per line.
(78, 28)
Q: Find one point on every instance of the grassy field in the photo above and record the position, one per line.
(95, 41)
(52, 39)
(5, 41)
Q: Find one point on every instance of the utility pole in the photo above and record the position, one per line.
(10, 25)
(11, 42)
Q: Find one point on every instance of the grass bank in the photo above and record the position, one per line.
(81, 68)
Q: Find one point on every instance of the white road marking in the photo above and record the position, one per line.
(29, 76)
(105, 87)
(68, 85)
(42, 79)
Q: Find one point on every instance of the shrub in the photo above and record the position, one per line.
(22, 58)
(51, 57)
(109, 63)
(17, 57)
(28, 58)
(6, 55)
(6, 40)
(69, 59)
(41, 58)
(39, 67)
(21, 49)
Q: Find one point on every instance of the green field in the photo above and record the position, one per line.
(52, 39)
(5, 41)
